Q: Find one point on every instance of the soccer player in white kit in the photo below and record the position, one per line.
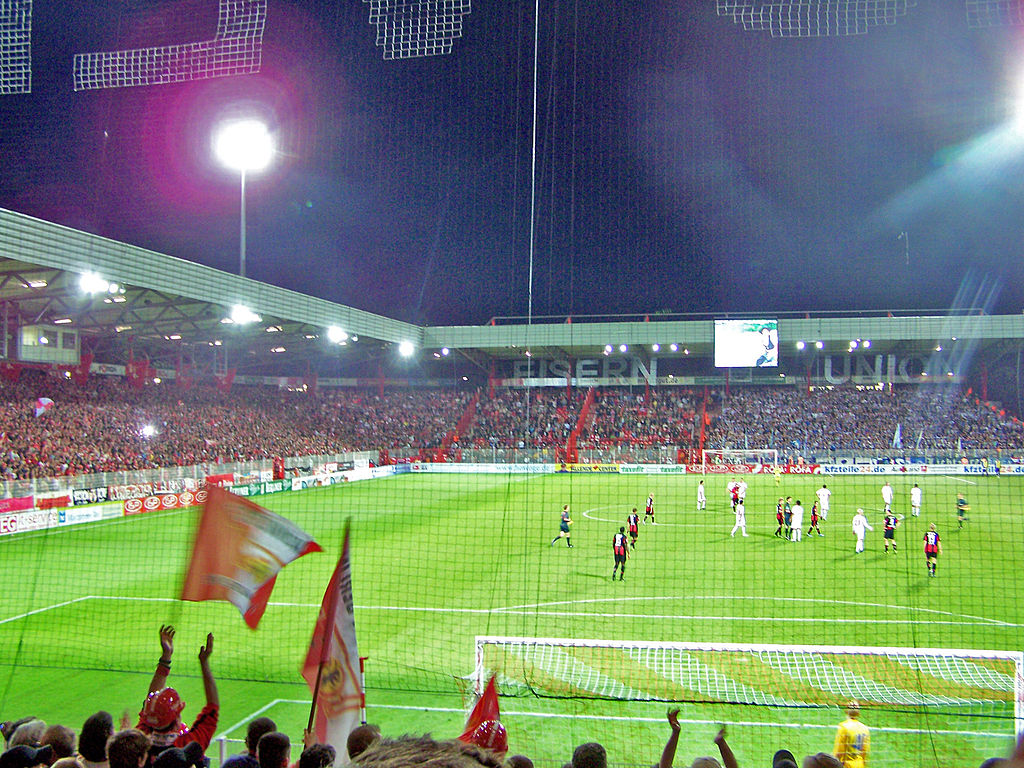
(887, 496)
(702, 498)
(915, 501)
(823, 494)
(741, 520)
(860, 526)
(797, 521)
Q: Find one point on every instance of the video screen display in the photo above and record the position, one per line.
(746, 343)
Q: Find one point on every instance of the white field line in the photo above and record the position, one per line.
(631, 719)
(531, 610)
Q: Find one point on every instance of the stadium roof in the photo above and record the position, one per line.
(166, 308)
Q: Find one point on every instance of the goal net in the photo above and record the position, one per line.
(962, 693)
(723, 460)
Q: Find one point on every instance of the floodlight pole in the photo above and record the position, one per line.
(241, 231)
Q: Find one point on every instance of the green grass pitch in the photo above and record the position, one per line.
(441, 559)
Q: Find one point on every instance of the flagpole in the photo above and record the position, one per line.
(316, 695)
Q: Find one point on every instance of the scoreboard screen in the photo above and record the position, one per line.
(746, 343)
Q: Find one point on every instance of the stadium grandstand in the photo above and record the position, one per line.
(123, 402)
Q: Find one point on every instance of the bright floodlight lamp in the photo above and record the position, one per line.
(336, 335)
(90, 282)
(244, 146)
(801, 345)
(819, 344)
(655, 347)
(243, 315)
(405, 349)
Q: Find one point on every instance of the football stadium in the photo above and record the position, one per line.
(541, 414)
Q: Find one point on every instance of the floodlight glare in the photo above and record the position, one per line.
(335, 335)
(445, 351)
(801, 345)
(607, 348)
(243, 315)
(405, 349)
(90, 282)
(655, 347)
(244, 145)
(866, 343)
(623, 348)
(819, 344)
(674, 347)
(148, 431)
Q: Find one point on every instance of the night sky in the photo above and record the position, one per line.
(683, 164)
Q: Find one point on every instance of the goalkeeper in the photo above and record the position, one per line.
(853, 739)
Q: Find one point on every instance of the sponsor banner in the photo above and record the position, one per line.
(29, 521)
(724, 469)
(250, 477)
(20, 504)
(891, 469)
(220, 480)
(141, 490)
(588, 468)
(164, 502)
(89, 514)
(249, 489)
(500, 469)
(89, 495)
(301, 483)
(53, 502)
(274, 486)
(652, 469)
(796, 469)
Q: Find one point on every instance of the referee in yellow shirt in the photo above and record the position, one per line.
(853, 739)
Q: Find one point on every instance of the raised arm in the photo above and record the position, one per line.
(209, 684)
(669, 753)
(163, 666)
(728, 758)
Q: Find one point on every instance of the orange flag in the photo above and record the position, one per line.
(238, 551)
(483, 726)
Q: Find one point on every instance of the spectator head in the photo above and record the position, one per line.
(8, 728)
(361, 737)
(128, 749)
(414, 751)
(274, 750)
(162, 709)
(589, 755)
(28, 734)
(783, 759)
(705, 762)
(995, 762)
(853, 709)
(61, 739)
(519, 761)
(68, 762)
(24, 756)
(256, 729)
(822, 760)
(92, 741)
(317, 756)
(191, 756)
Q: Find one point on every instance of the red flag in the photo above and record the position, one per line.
(238, 551)
(483, 726)
(332, 665)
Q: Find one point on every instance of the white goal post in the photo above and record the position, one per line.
(964, 686)
(710, 459)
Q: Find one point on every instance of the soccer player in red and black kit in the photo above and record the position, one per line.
(779, 516)
(633, 521)
(621, 551)
(649, 510)
(932, 549)
(891, 522)
(814, 520)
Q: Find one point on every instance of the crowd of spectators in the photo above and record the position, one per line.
(630, 417)
(106, 425)
(503, 421)
(938, 418)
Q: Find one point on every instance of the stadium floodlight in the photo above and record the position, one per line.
(90, 282)
(15, 46)
(241, 315)
(819, 345)
(866, 343)
(674, 347)
(994, 13)
(831, 18)
(938, 347)
(336, 335)
(655, 347)
(623, 348)
(801, 345)
(405, 349)
(445, 351)
(409, 29)
(243, 145)
(236, 49)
